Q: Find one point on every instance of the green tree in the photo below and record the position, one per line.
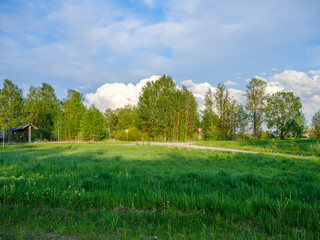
(126, 117)
(73, 110)
(93, 125)
(242, 120)
(255, 104)
(42, 107)
(210, 120)
(111, 117)
(166, 112)
(226, 108)
(148, 107)
(11, 105)
(315, 126)
(297, 126)
(189, 114)
(120, 119)
(284, 113)
(58, 125)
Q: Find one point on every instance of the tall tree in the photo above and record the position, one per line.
(315, 126)
(166, 112)
(210, 119)
(283, 113)
(73, 110)
(242, 120)
(147, 109)
(111, 117)
(120, 118)
(126, 117)
(226, 108)
(190, 116)
(11, 105)
(93, 125)
(42, 106)
(255, 104)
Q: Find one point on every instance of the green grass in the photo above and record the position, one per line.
(296, 147)
(101, 191)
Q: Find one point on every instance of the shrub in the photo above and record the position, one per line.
(133, 135)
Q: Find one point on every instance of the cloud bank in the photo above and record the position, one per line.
(304, 85)
(116, 95)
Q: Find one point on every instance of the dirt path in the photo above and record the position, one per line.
(190, 145)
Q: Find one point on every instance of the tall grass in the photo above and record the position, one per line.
(315, 147)
(296, 147)
(148, 192)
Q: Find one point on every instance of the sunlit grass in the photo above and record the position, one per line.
(296, 147)
(147, 192)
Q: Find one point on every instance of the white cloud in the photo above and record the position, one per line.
(116, 95)
(302, 85)
(199, 89)
(237, 94)
(314, 72)
(273, 87)
(229, 82)
(298, 82)
(188, 83)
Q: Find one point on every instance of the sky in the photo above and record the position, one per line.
(108, 49)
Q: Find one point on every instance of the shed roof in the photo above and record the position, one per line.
(22, 128)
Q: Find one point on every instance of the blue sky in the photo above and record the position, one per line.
(86, 44)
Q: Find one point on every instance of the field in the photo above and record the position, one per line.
(295, 147)
(102, 191)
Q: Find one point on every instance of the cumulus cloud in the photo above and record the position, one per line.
(116, 95)
(314, 72)
(302, 85)
(298, 82)
(307, 87)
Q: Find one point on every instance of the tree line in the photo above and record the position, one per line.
(164, 112)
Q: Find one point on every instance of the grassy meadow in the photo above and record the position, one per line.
(108, 191)
(307, 147)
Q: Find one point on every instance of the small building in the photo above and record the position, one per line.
(25, 128)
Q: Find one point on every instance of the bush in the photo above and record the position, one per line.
(133, 135)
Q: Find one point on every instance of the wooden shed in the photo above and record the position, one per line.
(25, 128)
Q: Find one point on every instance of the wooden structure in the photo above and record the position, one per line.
(28, 127)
